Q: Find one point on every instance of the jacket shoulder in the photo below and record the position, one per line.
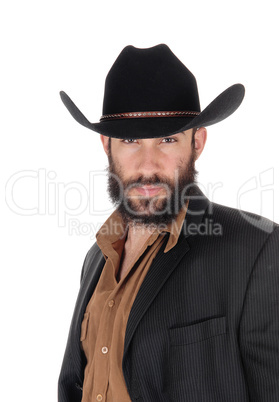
(241, 222)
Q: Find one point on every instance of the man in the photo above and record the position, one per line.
(179, 296)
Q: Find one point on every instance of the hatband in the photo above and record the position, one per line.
(136, 115)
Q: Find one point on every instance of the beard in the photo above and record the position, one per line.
(156, 210)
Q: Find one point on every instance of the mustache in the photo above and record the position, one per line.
(154, 180)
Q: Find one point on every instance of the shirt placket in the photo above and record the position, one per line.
(104, 342)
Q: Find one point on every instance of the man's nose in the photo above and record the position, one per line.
(149, 161)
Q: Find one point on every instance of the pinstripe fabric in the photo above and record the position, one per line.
(204, 326)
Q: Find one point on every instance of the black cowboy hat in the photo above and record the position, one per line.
(149, 93)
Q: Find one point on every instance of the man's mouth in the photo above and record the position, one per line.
(148, 190)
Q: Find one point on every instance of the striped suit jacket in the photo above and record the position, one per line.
(204, 326)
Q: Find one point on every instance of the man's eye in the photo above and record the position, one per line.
(169, 140)
(129, 141)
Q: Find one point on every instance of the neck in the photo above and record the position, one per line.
(138, 234)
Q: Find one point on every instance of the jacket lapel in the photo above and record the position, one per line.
(164, 264)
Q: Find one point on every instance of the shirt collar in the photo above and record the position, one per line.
(114, 230)
(174, 228)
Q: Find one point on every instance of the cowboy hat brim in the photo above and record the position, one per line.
(219, 109)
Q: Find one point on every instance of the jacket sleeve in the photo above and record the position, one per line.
(69, 389)
(259, 325)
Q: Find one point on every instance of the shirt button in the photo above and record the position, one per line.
(104, 350)
(111, 303)
(99, 397)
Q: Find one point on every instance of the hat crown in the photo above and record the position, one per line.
(150, 79)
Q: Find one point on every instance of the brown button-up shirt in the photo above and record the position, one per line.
(105, 319)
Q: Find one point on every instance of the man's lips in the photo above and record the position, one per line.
(148, 190)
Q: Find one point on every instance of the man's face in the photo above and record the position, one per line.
(149, 179)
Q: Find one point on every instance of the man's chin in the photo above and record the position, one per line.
(146, 216)
(148, 207)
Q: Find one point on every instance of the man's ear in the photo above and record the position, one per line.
(200, 140)
(105, 142)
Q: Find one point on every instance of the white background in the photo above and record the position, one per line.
(53, 45)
